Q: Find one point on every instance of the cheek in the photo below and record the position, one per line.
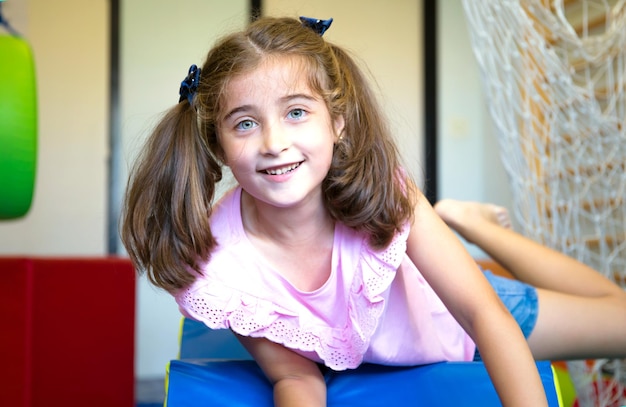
(235, 153)
(327, 150)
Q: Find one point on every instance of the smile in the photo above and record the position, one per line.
(281, 170)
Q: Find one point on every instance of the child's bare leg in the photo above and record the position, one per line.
(582, 314)
(571, 327)
(526, 259)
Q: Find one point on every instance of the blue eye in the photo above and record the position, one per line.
(245, 125)
(296, 114)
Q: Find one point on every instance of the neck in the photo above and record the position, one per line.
(291, 226)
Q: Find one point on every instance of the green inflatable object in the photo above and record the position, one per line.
(18, 127)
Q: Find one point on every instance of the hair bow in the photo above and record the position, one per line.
(189, 85)
(317, 25)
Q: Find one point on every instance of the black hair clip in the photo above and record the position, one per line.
(317, 25)
(189, 86)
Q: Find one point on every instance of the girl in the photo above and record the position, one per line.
(313, 257)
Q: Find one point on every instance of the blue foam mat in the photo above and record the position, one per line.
(194, 382)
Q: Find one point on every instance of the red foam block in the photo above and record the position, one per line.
(68, 332)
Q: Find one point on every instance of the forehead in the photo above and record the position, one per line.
(273, 76)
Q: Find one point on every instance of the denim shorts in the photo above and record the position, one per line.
(519, 298)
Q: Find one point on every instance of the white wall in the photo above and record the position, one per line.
(468, 159)
(69, 39)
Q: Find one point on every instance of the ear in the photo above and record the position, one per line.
(339, 123)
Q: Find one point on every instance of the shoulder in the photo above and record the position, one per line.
(226, 215)
(355, 244)
(393, 253)
(374, 268)
(227, 229)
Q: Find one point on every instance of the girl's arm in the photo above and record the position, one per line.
(453, 274)
(297, 381)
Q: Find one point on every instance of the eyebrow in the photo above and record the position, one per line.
(287, 98)
(237, 110)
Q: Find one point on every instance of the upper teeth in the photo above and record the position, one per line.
(279, 171)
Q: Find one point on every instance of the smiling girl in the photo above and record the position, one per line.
(325, 252)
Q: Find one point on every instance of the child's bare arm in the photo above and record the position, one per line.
(297, 380)
(457, 280)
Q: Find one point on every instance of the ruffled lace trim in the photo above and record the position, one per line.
(222, 307)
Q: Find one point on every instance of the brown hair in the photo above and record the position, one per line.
(165, 223)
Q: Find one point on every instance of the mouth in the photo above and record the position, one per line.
(281, 170)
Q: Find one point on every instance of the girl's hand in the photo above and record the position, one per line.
(297, 381)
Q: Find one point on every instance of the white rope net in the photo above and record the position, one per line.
(554, 74)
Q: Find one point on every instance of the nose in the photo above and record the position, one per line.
(275, 140)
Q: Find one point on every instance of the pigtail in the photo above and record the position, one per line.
(165, 223)
(366, 188)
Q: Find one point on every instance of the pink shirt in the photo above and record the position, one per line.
(376, 307)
